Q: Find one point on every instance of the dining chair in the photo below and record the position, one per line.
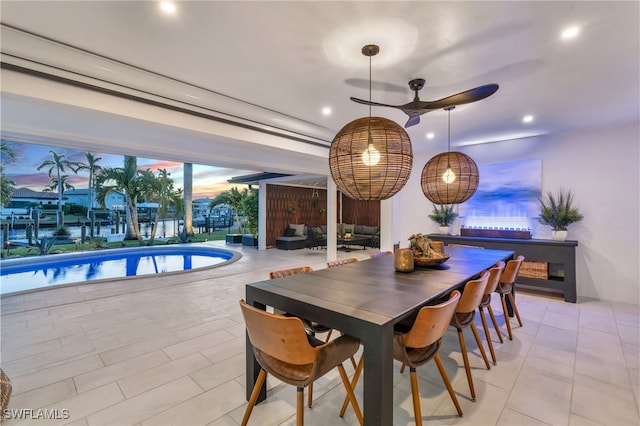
(379, 254)
(421, 342)
(285, 350)
(312, 327)
(505, 289)
(492, 283)
(334, 263)
(288, 272)
(463, 317)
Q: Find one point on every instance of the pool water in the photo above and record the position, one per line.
(44, 271)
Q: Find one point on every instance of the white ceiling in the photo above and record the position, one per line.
(277, 64)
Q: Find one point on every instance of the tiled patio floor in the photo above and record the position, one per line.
(170, 350)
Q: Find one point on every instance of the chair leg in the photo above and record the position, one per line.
(474, 329)
(515, 308)
(354, 382)
(402, 368)
(310, 396)
(299, 406)
(447, 383)
(254, 396)
(353, 363)
(485, 326)
(465, 359)
(495, 323)
(506, 315)
(350, 394)
(415, 396)
(353, 360)
(328, 335)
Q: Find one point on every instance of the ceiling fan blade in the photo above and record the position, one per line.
(461, 98)
(362, 101)
(412, 121)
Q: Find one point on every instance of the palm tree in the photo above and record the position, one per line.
(234, 198)
(6, 184)
(58, 163)
(159, 189)
(53, 187)
(127, 180)
(92, 166)
(188, 197)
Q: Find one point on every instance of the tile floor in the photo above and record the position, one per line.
(170, 350)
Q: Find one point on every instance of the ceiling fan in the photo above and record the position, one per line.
(416, 108)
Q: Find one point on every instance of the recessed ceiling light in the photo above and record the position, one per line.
(168, 7)
(430, 135)
(570, 32)
(326, 111)
(527, 119)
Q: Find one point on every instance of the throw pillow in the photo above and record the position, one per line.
(289, 232)
(299, 229)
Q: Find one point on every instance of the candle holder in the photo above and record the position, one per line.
(403, 261)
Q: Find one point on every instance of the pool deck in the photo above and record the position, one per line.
(170, 350)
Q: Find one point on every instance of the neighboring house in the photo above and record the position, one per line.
(114, 201)
(24, 199)
(201, 207)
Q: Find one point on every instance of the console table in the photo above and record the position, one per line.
(561, 256)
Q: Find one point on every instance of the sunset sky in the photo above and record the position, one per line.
(207, 181)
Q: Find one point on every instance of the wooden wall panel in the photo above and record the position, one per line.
(360, 212)
(290, 204)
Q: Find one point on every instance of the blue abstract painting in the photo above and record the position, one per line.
(507, 191)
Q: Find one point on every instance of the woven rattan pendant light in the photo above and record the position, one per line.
(450, 177)
(371, 158)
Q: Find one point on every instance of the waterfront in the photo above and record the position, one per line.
(167, 228)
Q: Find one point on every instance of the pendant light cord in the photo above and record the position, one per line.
(369, 86)
(370, 139)
(449, 137)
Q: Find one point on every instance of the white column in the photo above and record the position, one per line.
(332, 228)
(262, 216)
(387, 229)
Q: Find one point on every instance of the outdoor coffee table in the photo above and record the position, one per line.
(353, 241)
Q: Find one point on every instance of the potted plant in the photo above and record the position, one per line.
(443, 216)
(557, 210)
(347, 232)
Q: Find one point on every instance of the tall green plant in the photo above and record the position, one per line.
(92, 167)
(234, 198)
(557, 210)
(127, 180)
(58, 164)
(6, 185)
(159, 189)
(443, 215)
(251, 208)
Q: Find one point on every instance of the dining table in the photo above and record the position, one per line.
(366, 299)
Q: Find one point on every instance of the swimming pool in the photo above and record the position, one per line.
(17, 275)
